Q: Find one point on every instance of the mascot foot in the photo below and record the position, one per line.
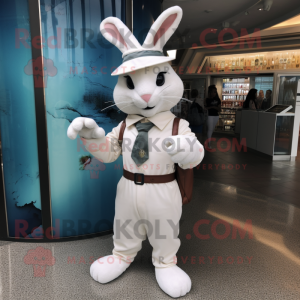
(108, 268)
(173, 281)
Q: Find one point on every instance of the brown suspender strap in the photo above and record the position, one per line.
(122, 129)
(185, 178)
(175, 126)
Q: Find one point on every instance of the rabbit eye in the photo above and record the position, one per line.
(160, 79)
(129, 82)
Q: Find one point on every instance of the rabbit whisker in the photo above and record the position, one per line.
(165, 98)
(171, 102)
(171, 97)
(187, 100)
(164, 89)
(126, 97)
(180, 98)
(113, 105)
(125, 107)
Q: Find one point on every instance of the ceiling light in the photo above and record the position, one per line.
(180, 0)
(260, 9)
(235, 23)
(225, 24)
(267, 4)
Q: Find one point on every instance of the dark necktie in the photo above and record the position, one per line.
(140, 152)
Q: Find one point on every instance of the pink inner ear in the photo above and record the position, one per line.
(164, 27)
(114, 32)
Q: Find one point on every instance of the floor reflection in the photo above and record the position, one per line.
(258, 259)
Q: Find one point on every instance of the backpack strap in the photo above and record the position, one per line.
(175, 126)
(122, 129)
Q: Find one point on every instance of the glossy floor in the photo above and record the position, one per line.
(236, 244)
(250, 171)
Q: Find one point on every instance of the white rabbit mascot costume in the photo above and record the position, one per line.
(148, 200)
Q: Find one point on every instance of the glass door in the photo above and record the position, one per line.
(18, 122)
(78, 84)
(288, 91)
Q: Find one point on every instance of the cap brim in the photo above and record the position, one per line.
(140, 63)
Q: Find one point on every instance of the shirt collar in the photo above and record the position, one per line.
(160, 120)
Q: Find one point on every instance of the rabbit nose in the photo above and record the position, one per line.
(146, 97)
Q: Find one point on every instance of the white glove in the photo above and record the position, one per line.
(184, 150)
(86, 128)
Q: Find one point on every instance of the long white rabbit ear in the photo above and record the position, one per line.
(163, 28)
(117, 33)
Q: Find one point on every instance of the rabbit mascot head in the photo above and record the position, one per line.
(147, 83)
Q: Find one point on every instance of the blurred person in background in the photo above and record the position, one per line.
(250, 102)
(267, 101)
(213, 106)
(196, 122)
(260, 99)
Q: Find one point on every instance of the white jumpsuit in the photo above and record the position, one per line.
(152, 210)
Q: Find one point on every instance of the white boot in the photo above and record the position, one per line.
(173, 281)
(108, 268)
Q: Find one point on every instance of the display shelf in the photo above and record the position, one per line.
(233, 106)
(235, 100)
(234, 88)
(237, 107)
(254, 62)
(227, 115)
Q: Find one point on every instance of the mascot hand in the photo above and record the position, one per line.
(184, 149)
(86, 128)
